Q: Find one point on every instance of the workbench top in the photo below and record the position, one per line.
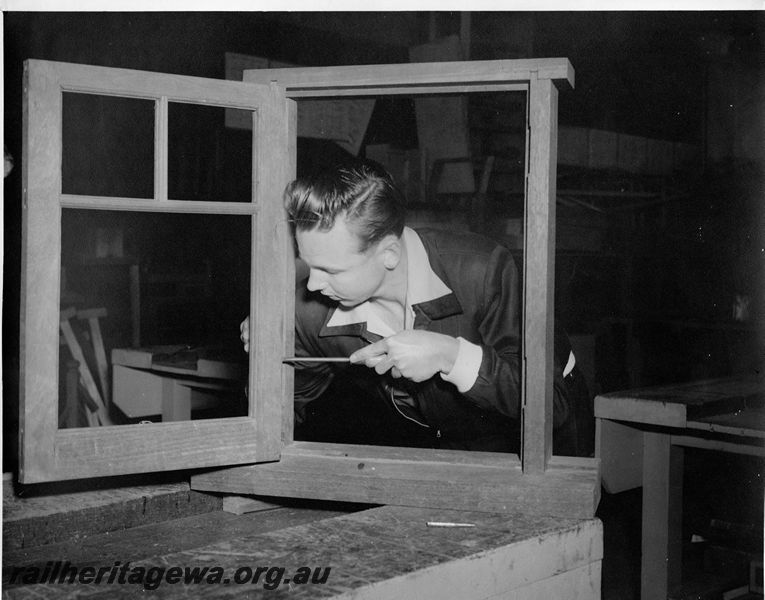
(383, 552)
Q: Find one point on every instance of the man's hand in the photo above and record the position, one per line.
(414, 354)
(244, 333)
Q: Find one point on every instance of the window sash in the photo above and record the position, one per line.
(49, 453)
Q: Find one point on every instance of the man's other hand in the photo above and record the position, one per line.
(244, 333)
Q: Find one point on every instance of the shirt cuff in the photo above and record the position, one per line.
(466, 366)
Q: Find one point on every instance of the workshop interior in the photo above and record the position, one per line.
(658, 273)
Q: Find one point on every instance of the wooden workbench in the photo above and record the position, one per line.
(383, 552)
(641, 436)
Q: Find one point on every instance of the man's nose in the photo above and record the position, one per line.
(315, 281)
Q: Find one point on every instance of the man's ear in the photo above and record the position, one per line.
(392, 251)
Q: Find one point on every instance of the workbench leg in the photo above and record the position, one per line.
(135, 305)
(71, 416)
(661, 567)
(176, 401)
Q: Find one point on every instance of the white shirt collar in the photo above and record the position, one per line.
(423, 285)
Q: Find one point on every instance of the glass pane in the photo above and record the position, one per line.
(460, 162)
(207, 160)
(172, 290)
(108, 146)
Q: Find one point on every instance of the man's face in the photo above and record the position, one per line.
(338, 269)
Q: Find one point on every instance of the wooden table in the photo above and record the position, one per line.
(171, 380)
(641, 436)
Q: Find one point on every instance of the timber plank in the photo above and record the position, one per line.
(48, 519)
(676, 404)
(539, 278)
(399, 77)
(569, 490)
(148, 84)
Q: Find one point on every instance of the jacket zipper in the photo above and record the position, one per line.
(393, 401)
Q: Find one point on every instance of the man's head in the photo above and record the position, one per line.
(364, 197)
(348, 224)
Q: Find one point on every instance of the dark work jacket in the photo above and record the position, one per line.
(354, 402)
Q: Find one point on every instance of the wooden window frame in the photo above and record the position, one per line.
(50, 453)
(539, 483)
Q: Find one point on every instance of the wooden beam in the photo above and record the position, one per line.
(135, 304)
(662, 516)
(734, 446)
(92, 316)
(161, 149)
(151, 447)
(491, 482)
(409, 90)
(91, 79)
(88, 382)
(288, 330)
(40, 271)
(272, 289)
(632, 410)
(539, 276)
(715, 401)
(71, 414)
(71, 514)
(357, 79)
(151, 205)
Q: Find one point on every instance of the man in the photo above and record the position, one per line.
(429, 319)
